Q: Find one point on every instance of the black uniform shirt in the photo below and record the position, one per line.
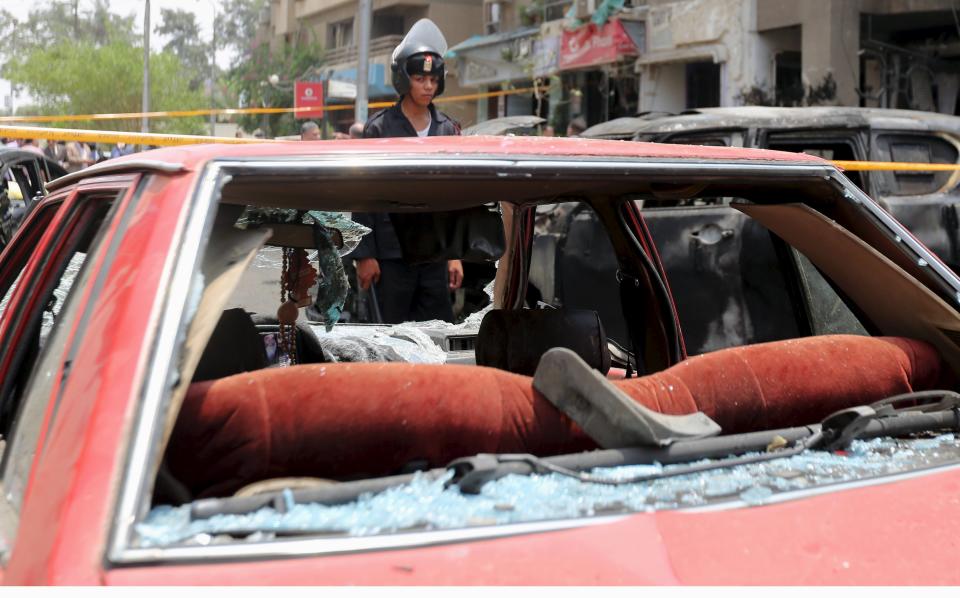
(382, 242)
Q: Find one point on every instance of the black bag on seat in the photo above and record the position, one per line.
(514, 340)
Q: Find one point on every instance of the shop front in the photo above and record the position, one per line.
(518, 60)
(596, 71)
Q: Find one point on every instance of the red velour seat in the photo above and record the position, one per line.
(354, 420)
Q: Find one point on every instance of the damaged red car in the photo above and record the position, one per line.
(181, 404)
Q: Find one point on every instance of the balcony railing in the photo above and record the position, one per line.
(378, 46)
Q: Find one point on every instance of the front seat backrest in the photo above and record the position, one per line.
(514, 340)
(235, 346)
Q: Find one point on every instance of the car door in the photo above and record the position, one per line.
(43, 284)
(30, 174)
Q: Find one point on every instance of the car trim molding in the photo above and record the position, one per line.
(118, 168)
(286, 548)
(323, 546)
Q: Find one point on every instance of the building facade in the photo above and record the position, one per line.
(876, 53)
(600, 59)
(333, 24)
(556, 58)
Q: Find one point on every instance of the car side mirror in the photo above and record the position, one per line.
(472, 235)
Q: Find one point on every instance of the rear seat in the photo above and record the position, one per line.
(369, 419)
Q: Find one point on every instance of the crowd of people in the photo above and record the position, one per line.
(71, 155)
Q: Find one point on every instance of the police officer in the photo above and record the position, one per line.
(409, 292)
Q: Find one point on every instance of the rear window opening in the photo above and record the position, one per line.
(360, 445)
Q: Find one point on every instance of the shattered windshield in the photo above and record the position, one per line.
(428, 503)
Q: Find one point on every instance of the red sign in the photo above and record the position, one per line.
(591, 45)
(308, 94)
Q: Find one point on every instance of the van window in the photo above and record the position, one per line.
(926, 149)
(826, 145)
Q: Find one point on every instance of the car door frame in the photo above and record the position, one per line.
(69, 203)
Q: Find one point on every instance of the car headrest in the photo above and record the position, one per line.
(235, 346)
(514, 340)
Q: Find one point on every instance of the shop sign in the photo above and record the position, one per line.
(592, 45)
(496, 63)
(546, 55)
(308, 94)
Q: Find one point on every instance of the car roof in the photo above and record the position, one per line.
(819, 117)
(192, 157)
(625, 126)
(500, 126)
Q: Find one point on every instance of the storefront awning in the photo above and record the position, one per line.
(480, 41)
(595, 45)
(716, 53)
(505, 57)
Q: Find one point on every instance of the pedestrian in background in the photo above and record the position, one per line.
(56, 151)
(121, 149)
(30, 145)
(79, 156)
(576, 126)
(356, 130)
(309, 131)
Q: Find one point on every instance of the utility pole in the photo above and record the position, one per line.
(145, 106)
(213, 72)
(364, 15)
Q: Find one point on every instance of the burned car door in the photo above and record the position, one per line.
(23, 176)
(926, 202)
(726, 274)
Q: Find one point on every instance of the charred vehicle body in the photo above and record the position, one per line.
(23, 175)
(709, 254)
(151, 433)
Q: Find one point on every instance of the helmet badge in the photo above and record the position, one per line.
(427, 63)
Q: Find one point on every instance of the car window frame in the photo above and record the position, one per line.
(34, 188)
(40, 270)
(35, 274)
(732, 136)
(143, 456)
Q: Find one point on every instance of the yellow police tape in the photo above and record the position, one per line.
(901, 166)
(239, 111)
(157, 139)
(160, 139)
